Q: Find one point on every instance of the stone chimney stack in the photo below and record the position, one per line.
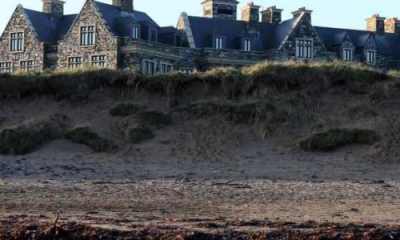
(226, 9)
(53, 7)
(376, 24)
(304, 11)
(271, 15)
(251, 12)
(125, 5)
(392, 25)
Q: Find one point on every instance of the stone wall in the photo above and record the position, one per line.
(106, 43)
(33, 48)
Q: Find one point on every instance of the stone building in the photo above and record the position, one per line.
(117, 36)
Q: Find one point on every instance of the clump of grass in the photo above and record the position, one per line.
(334, 139)
(140, 134)
(86, 136)
(125, 109)
(29, 136)
(153, 119)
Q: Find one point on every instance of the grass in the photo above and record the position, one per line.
(230, 82)
(86, 136)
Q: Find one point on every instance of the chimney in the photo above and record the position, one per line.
(271, 15)
(226, 9)
(125, 5)
(392, 25)
(251, 12)
(304, 11)
(376, 24)
(53, 7)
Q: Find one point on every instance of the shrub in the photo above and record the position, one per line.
(153, 119)
(30, 136)
(125, 109)
(336, 138)
(140, 134)
(86, 136)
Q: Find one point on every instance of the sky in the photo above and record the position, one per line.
(331, 13)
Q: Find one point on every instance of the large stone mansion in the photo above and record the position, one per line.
(118, 37)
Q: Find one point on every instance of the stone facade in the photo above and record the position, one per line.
(105, 44)
(30, 57)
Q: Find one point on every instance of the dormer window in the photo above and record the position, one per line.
(304, 48)
(219, 43)
(88, 36)
(247, 45)
(153, 35)
(347, 54)
(17, 42)
(371, 57)
(136, 32)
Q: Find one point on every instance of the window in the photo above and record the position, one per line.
(304, 48)
(149, 67)
(371, 57)
(17, 42)
(5, 67)
(74, 62)
(247, 45)
(136, 32)
(219, 43)
(99, 61)
(153, 35)
(26, 66)
(166, 68)
(88, 36)
(347, 54)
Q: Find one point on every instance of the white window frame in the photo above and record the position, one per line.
(26, 65)
(74, 62)
(304, 48)
(219, 42)
(6, 67)
(166, 67)
(87, 35)
(370, 56)
(98, 60)
(136, 32)
(149, 67)
(247, 45)
(347, 54)
(17, 41)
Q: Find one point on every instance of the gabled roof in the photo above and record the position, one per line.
(119, 20)
(48, 28)
(386, 43)
(265, 36)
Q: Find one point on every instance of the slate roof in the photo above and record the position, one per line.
(387, 43)
(48, 28)
(264, 36)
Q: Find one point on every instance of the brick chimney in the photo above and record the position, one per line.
(271, 15)
(125, 5)
(251, 12)
(304, 11)
(376, 24)
(53, 7)
(392, 25)
(225, 9)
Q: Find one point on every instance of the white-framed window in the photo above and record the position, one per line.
(347, 54)
(16, 41)
(5, 67)
(88, 35)
(98, 60)
(219, 42)
(26, 65)
(247, 45)
(304, 48)
(136, 32)
(371, 57)
(166, 68)
(149, 67)
(74, 62)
